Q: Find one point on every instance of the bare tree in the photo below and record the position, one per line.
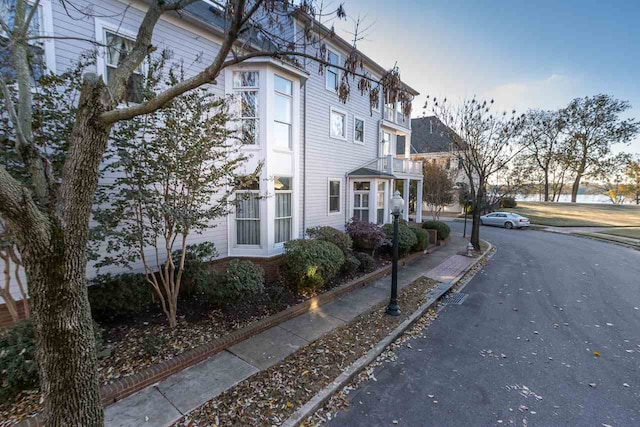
(437, 188)
(485, 142)
(49, 212)
(593, 125)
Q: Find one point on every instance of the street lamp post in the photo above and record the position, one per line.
(397, 204)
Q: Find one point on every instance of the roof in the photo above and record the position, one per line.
(430, 135)
(345, 45)
(370, 173)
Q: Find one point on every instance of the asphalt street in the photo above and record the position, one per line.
(549, 335)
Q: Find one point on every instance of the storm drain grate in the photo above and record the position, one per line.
(455, 298)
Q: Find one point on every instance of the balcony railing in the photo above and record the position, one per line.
(393, 165)
(394, 116)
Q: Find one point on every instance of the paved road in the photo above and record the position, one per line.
(534, 318)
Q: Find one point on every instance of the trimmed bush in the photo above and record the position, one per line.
(121, 295)
(366, 236)
(508, 202)
(18, 366)
(367, 263)
(241, 279)
(351, 264)
(423, 239)
(332, 235)
(310, 264)
(442, 228)
(196, 265)
(406, 238)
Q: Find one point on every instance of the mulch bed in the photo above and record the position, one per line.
(145, 340)
(271, 396)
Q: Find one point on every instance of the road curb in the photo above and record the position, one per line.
(603, 239)
(348, 374)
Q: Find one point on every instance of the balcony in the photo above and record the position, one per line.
(397, 166)
(394, 116)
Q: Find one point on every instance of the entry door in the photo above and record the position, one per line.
(385, 145)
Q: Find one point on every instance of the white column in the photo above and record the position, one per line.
(419, 202)
(405, 196)
(373, 199)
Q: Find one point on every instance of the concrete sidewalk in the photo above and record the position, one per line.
(167, 401)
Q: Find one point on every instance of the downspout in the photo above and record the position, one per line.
(304, 144)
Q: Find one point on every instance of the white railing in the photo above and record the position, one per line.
(394, 116)
(391, 164)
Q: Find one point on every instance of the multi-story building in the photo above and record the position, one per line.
(324, 161)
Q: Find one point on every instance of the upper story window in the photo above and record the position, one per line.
(118, 47)
(282, 135)
(358, 130)
(246, 88)
(40, 50)
(332, 73)
(338, 124)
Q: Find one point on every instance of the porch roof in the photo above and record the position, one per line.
(370, 173)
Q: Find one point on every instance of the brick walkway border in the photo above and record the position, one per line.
(126, 386)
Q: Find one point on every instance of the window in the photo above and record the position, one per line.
(248, 215)
(334, 195)
(118, 47)
(282, 187)
(332, 73)
(36, 51)
(386, 143)
(246, 87)
(358, 130)
(361, 200)
(338, 124)
(380, 202)
(283, 113)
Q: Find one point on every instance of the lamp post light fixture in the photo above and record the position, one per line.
(397, 205)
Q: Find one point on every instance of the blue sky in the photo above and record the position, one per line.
(524, 54)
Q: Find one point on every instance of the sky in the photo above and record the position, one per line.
(523, 54)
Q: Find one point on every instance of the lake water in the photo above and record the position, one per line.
(582, 198)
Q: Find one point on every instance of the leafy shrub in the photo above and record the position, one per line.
(367, 263)
(18, 365)
(508, 202)
(196, 265)
(442, 228)
(423, 239)
(406, 238)
(365, 235)
(351, 264)
(309, 264)
(332, 235)
(241, 279)
(120, 295)
(151, 345)
(278, 296)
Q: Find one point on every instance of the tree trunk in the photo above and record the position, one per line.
(546, 186)
(64, 330)
(575, 187)
(475, 215)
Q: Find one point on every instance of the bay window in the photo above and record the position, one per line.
(361, 200)
(283, 113)
(283, 217)
(380, 202)
(248, 215)
(246, 89)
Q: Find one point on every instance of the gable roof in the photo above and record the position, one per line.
(430, 135)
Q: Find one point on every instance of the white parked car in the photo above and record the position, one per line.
(505, 219)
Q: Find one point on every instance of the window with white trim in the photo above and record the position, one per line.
(332, 73)
(361, 200)
(246, 89)
(283, 102)
(358, 130)
(118, 47)
(382, 186)
(334, 195)
(283, 219)
(338, 124)
(248, 215)
(36, 51)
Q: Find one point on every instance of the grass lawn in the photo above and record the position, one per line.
(605, 237)
(633, 233)
(579, 214)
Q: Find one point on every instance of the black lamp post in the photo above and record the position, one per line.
(397, 204)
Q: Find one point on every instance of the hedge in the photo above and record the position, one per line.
(442, 228)
(310, 264)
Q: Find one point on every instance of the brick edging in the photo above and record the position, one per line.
(126, 386)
